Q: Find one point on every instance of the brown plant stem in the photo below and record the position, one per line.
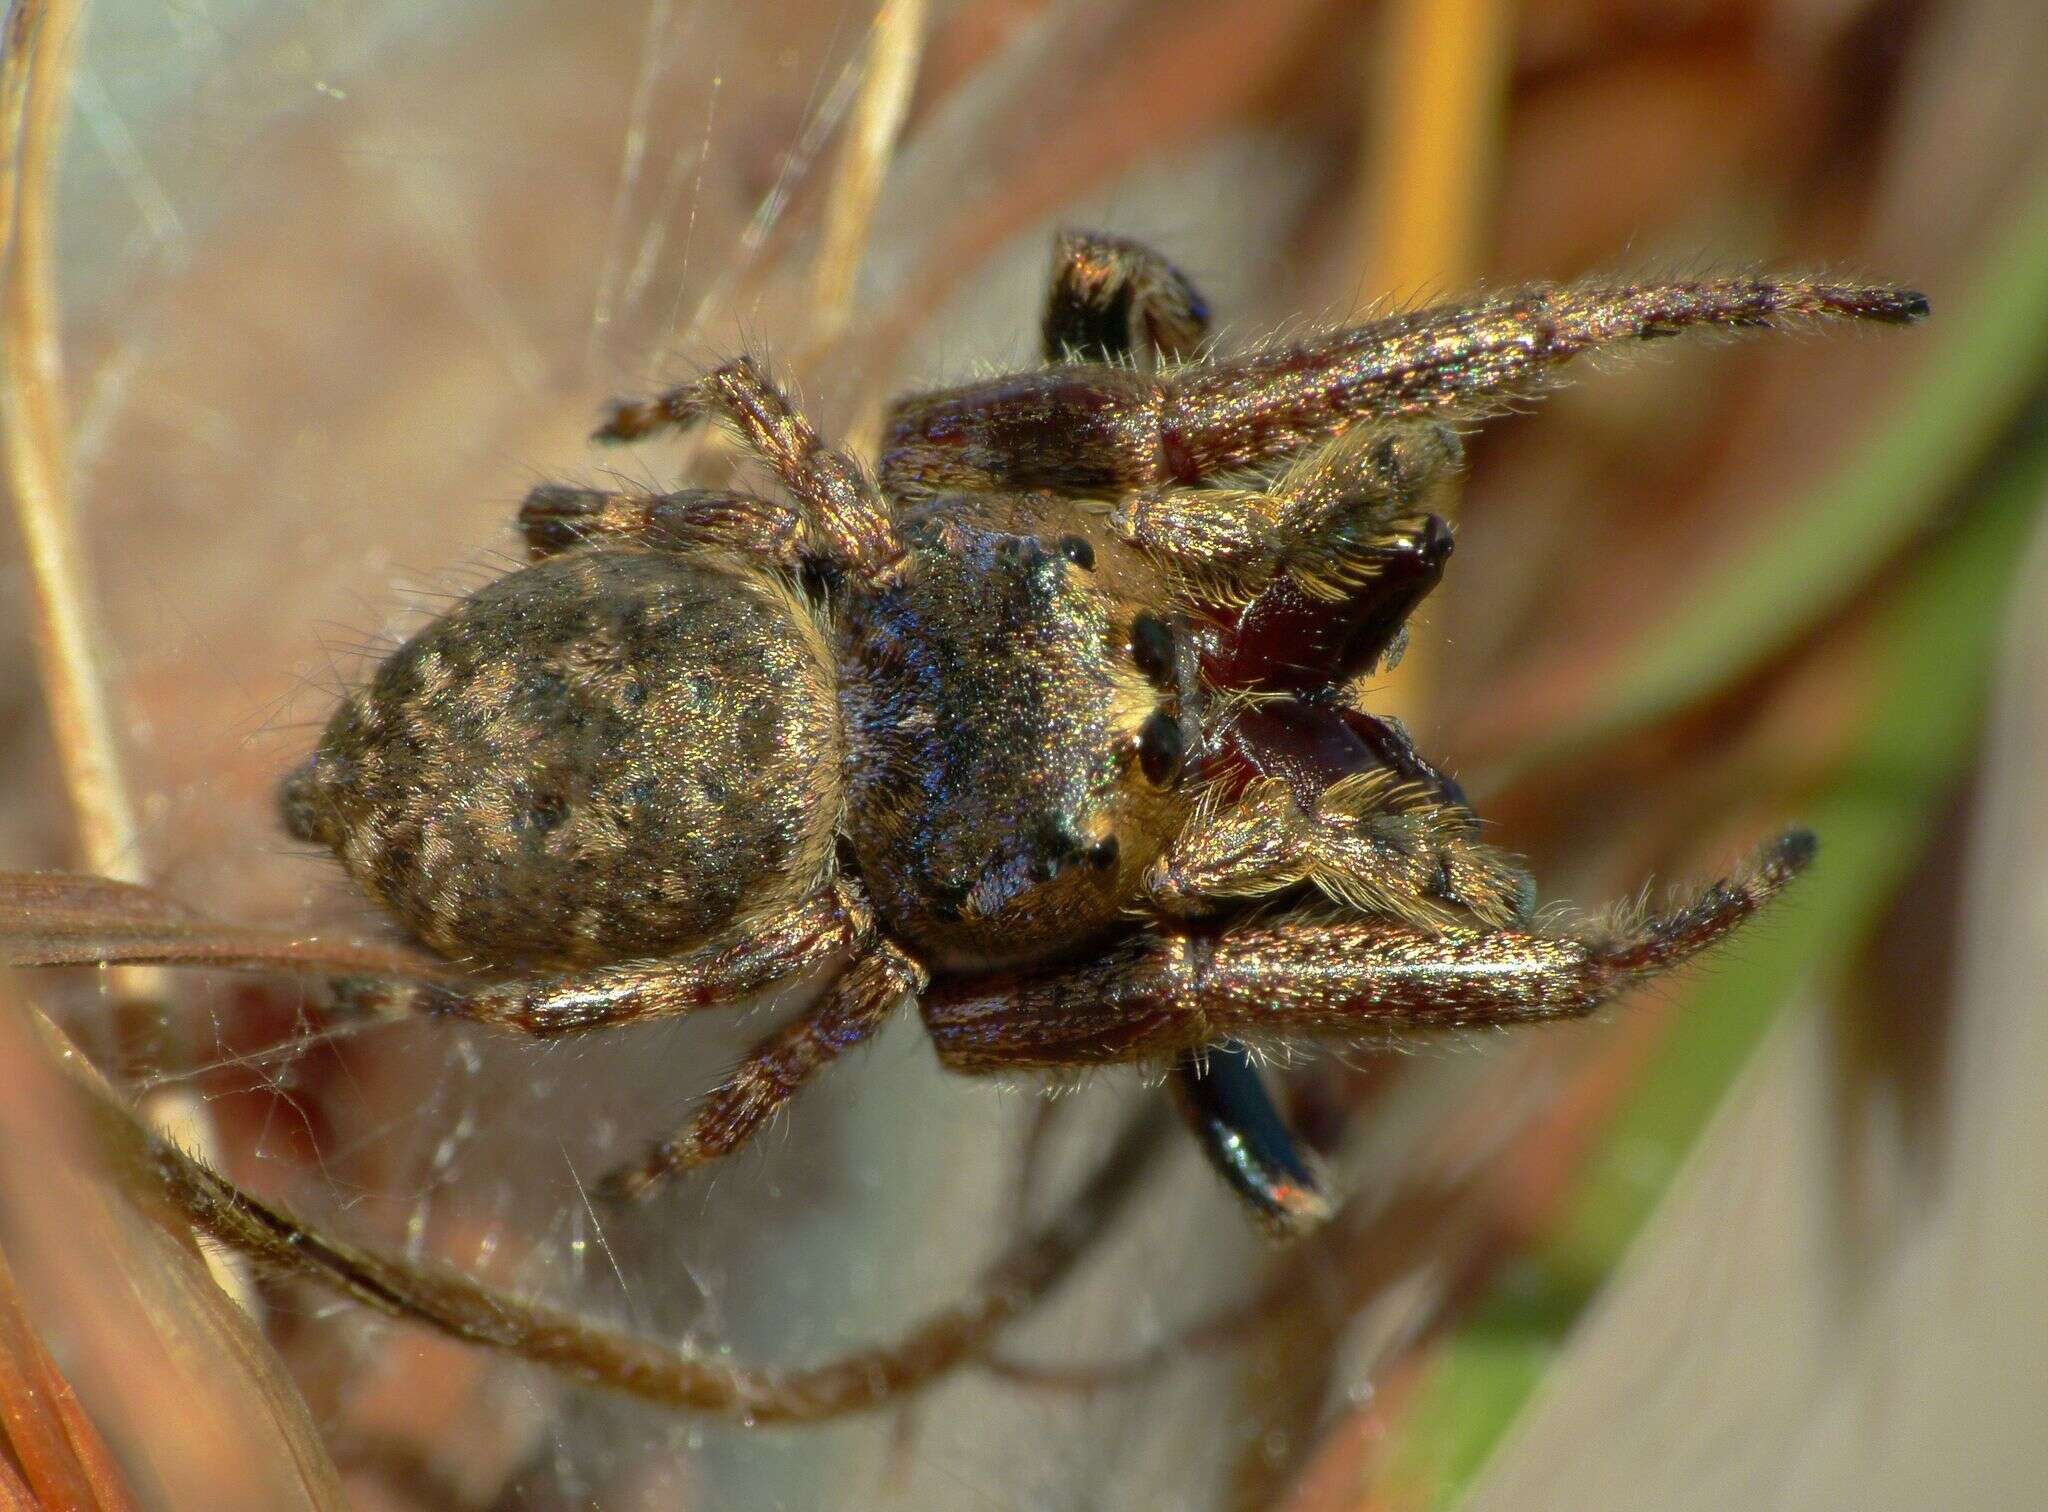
(1027, 1271)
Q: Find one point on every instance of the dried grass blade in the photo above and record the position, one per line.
(33, 77)
(894, 49)
(30, 1389)
(60, 920)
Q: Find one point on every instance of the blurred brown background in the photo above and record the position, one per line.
(338, 284)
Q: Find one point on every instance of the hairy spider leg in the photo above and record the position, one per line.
(1306, 976)
(1115, 300)
(557, 517)
(1220, 1093)
(749, 963)
(1450, 357)
(1107, 429)
(775, 1070)
(846, 520)
(1317, 522)
(753, 959)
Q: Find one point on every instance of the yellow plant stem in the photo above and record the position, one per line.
(1437, 108)
(894, 49)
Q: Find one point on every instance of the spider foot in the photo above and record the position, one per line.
(386, 998)
(678, 409)
(1655, 943)
(776, 1069)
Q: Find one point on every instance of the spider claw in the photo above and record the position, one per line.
(1886, 306)
(630, 420)
(1791, 853)
(629, 1183)
(383, 997)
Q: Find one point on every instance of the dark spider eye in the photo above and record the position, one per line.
(1160, 748)
(1077, 550)
(1152, 647)
(1103, 853)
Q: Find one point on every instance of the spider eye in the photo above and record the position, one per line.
(1152, 648)
(1077, 550)
(1160, 748)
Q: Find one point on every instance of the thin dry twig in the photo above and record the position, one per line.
(35, 456)
(1028, 1270)
(53, 919)
(894, 49)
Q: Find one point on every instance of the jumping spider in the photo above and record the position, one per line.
(1052, 726)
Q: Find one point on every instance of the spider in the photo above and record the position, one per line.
(1051, 724)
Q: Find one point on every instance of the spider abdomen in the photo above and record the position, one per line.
(606, 755)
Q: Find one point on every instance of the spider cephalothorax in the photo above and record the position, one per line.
(1052, 727)
(1018, 725)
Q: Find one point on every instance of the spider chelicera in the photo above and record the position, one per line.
(1050, 725)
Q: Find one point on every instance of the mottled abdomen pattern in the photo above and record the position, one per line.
(609, 754)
